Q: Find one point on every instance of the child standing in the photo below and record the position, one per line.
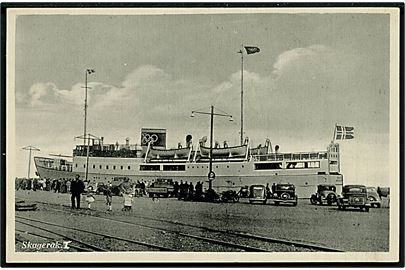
(89, 199)
(108, 197)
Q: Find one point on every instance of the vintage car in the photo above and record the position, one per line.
(257, 194)
(373, 197)
(283, 193)
(324, 194)
(229, 196)
(354, 196)
(162, 187)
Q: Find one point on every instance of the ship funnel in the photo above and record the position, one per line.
(127, 141)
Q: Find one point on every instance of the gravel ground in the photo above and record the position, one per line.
(350, 230)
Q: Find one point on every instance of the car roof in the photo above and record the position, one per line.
(352, 186)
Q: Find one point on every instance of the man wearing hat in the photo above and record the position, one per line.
(76, 188)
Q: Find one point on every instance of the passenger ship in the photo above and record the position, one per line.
(234, 167)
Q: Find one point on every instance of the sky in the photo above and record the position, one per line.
(312, 71)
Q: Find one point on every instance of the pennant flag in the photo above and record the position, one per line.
(252, 50)
(89, 71)
(344, 133)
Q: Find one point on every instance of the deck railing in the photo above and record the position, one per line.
(292, 156)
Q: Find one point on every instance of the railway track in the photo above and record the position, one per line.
(239, 241)
(93, 247)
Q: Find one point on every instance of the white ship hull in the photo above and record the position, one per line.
(230, 173)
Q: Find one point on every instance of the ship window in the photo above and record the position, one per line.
(243, 166)
(106, 167)
(217, 167)
(101, 167)
(94, 166)
(149, 168)
(227, 166)
(114, 167)
(84, 165)
(76, 165)
(333, 162)
(313, 164)
(323, 155)
(129, 167)
(174, 167)
(268, 166)
(122, 167)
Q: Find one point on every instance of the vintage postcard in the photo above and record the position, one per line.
(201, 135)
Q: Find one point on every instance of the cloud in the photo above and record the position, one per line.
(291, 57)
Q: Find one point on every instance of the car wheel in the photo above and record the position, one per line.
(378, 205)
(366, 209)
(276, 203)
(90, 188)
(312, 200)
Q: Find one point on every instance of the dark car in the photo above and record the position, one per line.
(162, 187)
(373, 197)
(354, 196)
(283, 193)
(324, 194)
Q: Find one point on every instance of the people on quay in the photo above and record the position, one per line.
(47, 184)
(267, 190)
(127, 190)
(198, 190)
(137, 189)
(108, 197)
(68, 183)
(63, 188)
(176, 189)
(190, 191)
(89, 199)
(57, 186)
(76, 189)
(143, 188)
(34, 184)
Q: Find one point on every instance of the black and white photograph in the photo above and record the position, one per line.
(156, 135)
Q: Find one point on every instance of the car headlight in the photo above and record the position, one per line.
(371, 199)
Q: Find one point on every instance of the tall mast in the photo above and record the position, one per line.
(241, 97)
(85, 107)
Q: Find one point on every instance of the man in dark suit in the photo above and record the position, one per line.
(76, 188)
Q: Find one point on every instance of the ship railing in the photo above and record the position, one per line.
(291, 156)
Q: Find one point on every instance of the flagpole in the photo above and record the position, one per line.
(241, 97)
(85, 107)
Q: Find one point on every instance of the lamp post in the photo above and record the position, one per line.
(30, 148)
(211, 174)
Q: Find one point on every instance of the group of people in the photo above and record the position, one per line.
(34, 184)
(187, 191)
